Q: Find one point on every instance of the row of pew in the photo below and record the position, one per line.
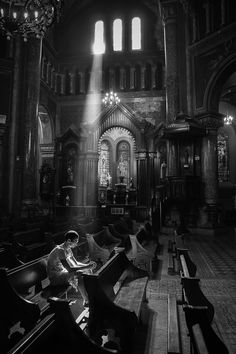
(43, 315)
(198, 310)
(28, 302)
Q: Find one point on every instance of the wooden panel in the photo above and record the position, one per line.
(173, 326)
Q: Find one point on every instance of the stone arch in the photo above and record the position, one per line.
(215, 84)
(119, 116)
(114, 136)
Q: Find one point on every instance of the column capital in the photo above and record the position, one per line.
(169, 11)
(211, 121)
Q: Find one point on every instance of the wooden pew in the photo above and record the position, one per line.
(116, 293)
(124, 237)
(203, 338)
(174, 346)
(23, 298)
(58, 333)
(140, 256)
(193, 296)
(101, 245)
(30, 244)
(187, 267)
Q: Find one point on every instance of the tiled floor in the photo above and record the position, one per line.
(216, 267)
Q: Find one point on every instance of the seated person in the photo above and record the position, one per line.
(63, 268)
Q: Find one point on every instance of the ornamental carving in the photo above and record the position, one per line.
(212, 122)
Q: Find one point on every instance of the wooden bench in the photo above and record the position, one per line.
(123, 237)
(203, 338)
(193, 296)
(174, 346)
(30, 244)
(139, 255)
(116, 294)
(23, 298)
(187, 266)
(59, 333)
(101, 245)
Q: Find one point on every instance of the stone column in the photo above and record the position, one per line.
(72, 83)
(122, 78)
(142, 178)
(132, 74)
(30, 125)
(153, 83)
(143, 71)
(90, 179)
(209, 162)
(111, 79)
(3, 145)
(82, 82)
(62, 86)
(14, 193)
(152, 173)
(169, 14)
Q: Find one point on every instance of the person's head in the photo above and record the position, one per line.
(72, 238)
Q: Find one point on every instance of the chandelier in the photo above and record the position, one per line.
(111, 99)
(228, 120)
(29, 18)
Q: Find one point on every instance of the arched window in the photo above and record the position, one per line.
(117, 35)
(136, 33)
(99, 45)
(123, 162)
(104, 164)
(223, 160)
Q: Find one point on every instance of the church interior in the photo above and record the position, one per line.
(118, 120)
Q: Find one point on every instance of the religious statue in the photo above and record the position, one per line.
(70, 174)
(109, 178)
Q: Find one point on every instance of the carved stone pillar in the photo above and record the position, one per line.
(132, 74)
(14, 193)
(90, 178)
(122, 78)
(212, 122)
(30, 114)
(48, 67)
(152, 173)
(43, 68)
(81, 177)
(62, 88)
(142, 178)
(143, 72)
(2, 159)
(72, 83)
(111, 79)
(153, 83)
(169, 15)
(82, 82)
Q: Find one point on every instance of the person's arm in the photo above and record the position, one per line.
(76, 265)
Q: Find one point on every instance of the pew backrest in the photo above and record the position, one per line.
(187, 266)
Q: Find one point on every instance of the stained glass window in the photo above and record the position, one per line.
(223, 160)
(123, 162)
(103, 164)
